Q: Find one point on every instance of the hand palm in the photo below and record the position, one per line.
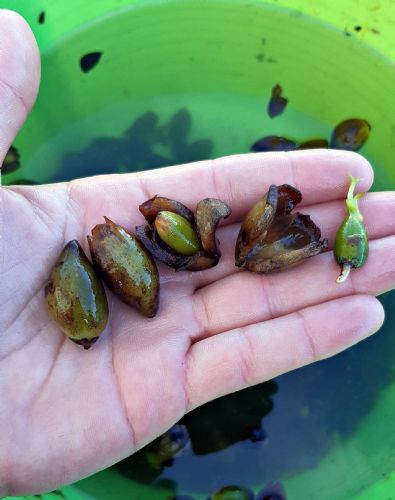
(70, 412)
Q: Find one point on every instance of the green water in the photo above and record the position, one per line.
(301, 414)
(241, 121)
(222, 74)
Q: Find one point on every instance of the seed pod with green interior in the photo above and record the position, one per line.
(178, 237)
(271, 238)
(351, 244)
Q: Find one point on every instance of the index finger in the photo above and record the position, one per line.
(240, 180)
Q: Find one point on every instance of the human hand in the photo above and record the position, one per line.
(65, 412)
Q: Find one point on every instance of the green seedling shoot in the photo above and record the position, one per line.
(351, 244)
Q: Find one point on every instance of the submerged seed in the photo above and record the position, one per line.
(11, 161)
(274, 143)
(233, 492)
(350, 134)
(177, 233)
(75, 296)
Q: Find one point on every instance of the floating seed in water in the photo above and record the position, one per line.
(350, 135)
(125, 266)
(11, 161)
(271, 238)
(314, 144)
(273, 491)
(277, 102)
(273, 143)
(351, 245)
(161, 452)
(254, 434)
(89, 61)
(76, 298)
(232, 493)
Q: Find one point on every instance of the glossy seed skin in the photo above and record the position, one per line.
(177, 233)
(75, 296)
(350, 134)
(351, 247)
(125, 266)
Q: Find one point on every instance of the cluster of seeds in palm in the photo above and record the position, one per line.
(272, 238)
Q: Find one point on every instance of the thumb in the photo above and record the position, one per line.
(19, 76)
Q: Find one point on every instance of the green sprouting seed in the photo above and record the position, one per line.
(351, 245)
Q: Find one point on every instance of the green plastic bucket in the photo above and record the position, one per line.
(329, 432)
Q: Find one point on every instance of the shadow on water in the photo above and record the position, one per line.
(145, 145)
(261, 433)
(282, 426)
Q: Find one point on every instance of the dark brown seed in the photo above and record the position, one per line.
(11, 161)
(125, 266)
(314, 144)
(350, 135)
(290, 240)
(277, 102)
(273, 143)
(272, 239)
(279, 201)
(75, 296)
(89, 61)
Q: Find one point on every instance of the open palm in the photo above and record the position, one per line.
(65, 412)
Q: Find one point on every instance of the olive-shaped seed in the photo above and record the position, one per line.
(75, 296)
(351, 245)
(177, 233)
(350, 135)
(125, 266)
